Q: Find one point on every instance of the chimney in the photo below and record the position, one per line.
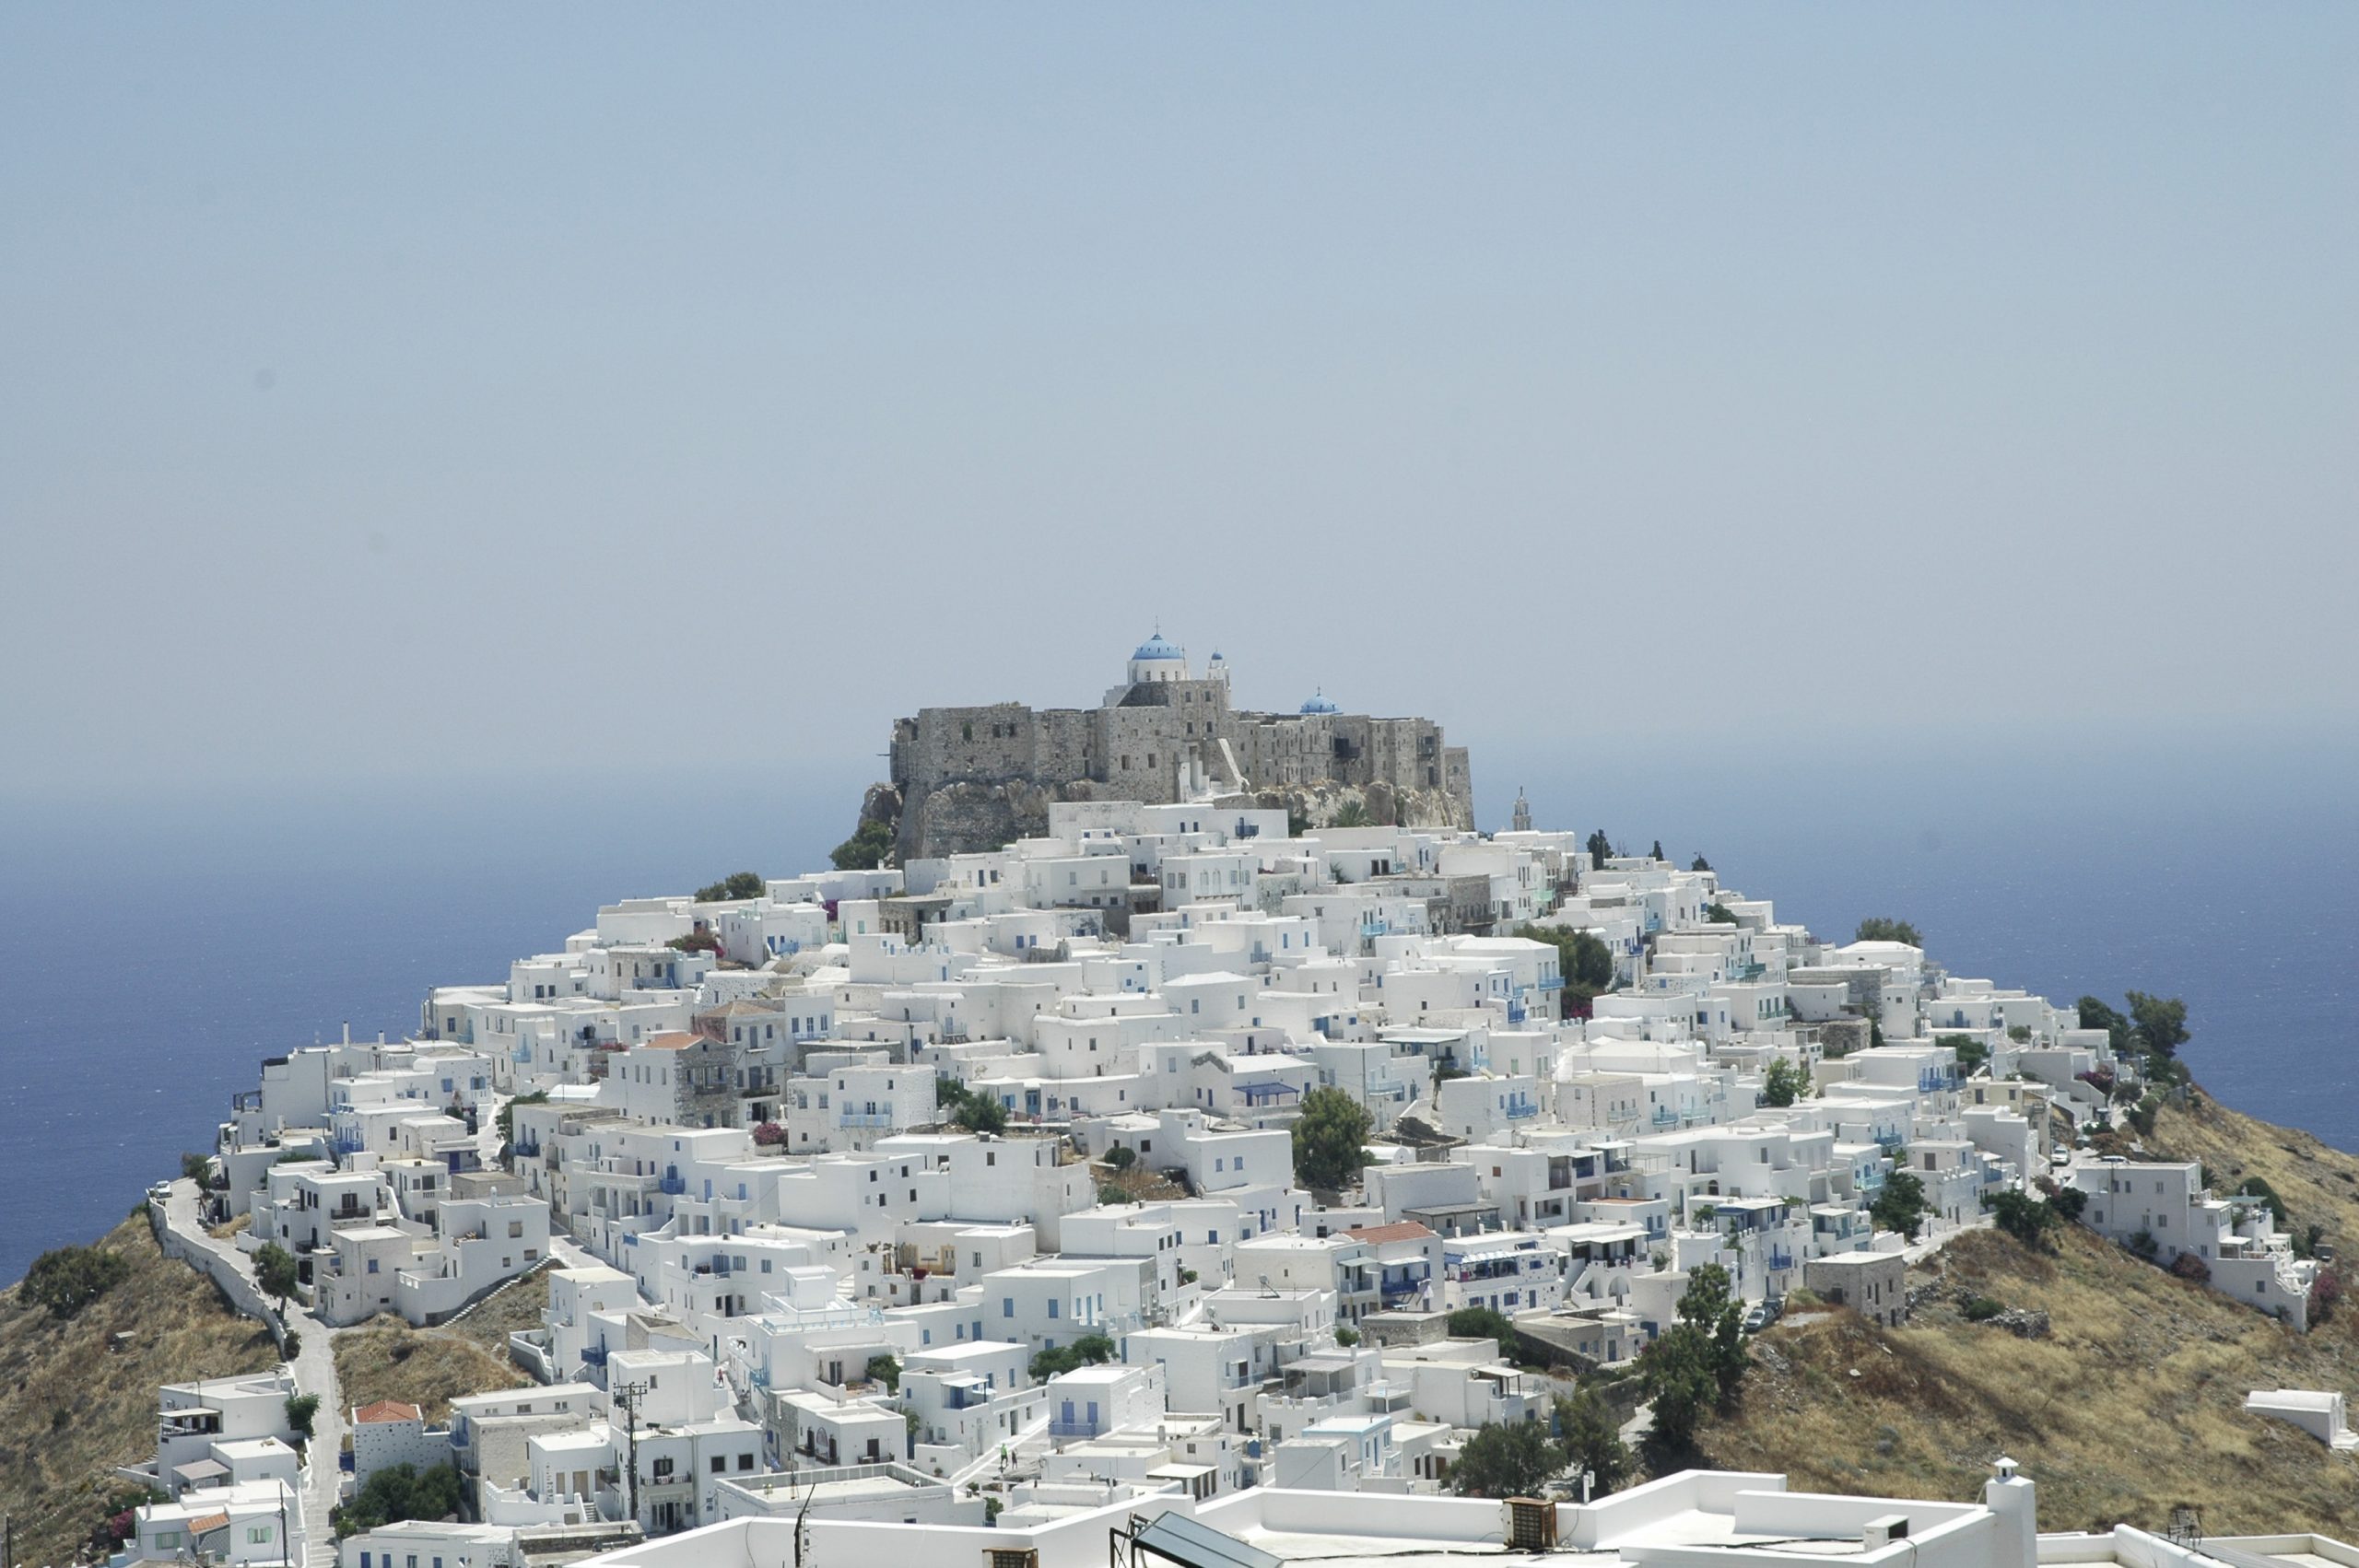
(2016, 1502)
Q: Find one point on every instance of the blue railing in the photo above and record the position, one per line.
(865, 1118)
(1781, 1260)
(675, 1185)
(521, 1055)
(1551, 982)
(1072, 1429)
(595, 1355)
(1665, 1116)
(1517, 1111)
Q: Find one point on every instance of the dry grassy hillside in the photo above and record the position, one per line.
(2318, 1184)
(390, 1360)
(72, 1407)
(2133, 1404)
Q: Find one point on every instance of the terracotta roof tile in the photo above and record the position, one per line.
(386, 1409)
(1407, 1230)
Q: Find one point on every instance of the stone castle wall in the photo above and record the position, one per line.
(972, 778)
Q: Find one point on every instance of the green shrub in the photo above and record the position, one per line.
(400, 1492)
(738, 884)
(1980, 1309)
(67, 1278)
(1090, 1349)
(869, 847)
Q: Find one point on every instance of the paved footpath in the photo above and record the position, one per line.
(314, 1369)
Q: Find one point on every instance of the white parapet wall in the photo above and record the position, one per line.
(2319, 1413)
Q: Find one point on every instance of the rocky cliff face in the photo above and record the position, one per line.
(970, 818)
(1374, 805)
(961, 819)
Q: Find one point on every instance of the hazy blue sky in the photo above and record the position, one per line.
(470, 391)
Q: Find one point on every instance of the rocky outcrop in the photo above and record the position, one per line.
(963, 818)
(1377, 804)
(967, 816)
(881, 803)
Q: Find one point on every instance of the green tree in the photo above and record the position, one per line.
(1592, 962)
(885, 1368)
(1676, 1374)
(1090, 1349)
(276, 1272)
(1722, 915)
(1121, 1157)
(2023, 1217)
(981, 1113)
(2158, 1025)
(2095, 1014)
(1711, 1305)
(1601, 850)
(870, 846)
(67, 1278)
(1701, 864)
(736, 886)
(302, 1409)
(1971, 1053)
(197, 1168)
(1881, 928)
(1783, 1083)
(1351, 813)
(1482, 1322)
(1506, 1459)
(1328, 1135)
(1699, 1360)
(1901, 1205)
(1583, 960)
(1346, 1335)
(506, 1120)
(1657, 851)
(1591, 1435)
(400, 1492)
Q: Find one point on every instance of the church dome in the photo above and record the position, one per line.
(1319, 703)
(1156, 647)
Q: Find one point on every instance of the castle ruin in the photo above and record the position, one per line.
(966, 780)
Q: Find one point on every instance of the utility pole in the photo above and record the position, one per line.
(626, 1397)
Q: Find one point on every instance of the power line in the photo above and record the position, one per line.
(626, 1397)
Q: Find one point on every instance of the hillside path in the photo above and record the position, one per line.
(314, 1370)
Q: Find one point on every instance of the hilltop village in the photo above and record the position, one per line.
(1191, 1169)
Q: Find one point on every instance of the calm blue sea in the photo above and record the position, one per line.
(158, 955)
